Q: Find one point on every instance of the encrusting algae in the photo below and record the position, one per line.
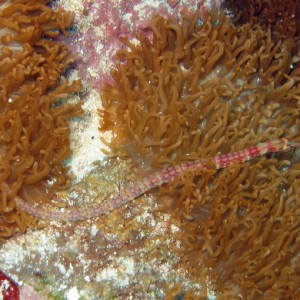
(34, 132)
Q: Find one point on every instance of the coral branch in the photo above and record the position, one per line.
(34, 129)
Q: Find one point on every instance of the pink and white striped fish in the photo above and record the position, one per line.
(154, 180)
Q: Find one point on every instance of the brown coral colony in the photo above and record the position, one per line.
(202, 87)
(34, 133)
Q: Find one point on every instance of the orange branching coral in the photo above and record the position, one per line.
(34, 132)
(201, 87)
(282, 16)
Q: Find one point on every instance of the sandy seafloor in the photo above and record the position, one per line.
(131, 252)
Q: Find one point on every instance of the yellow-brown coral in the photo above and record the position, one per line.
(201, 87)
(34, 133)
(282, 16)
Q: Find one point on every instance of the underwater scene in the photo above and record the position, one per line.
(149, 149)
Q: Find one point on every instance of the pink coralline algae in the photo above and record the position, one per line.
(101, 24)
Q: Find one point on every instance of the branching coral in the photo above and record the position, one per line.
(282, 16)
(201, 87)
(34, 132)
